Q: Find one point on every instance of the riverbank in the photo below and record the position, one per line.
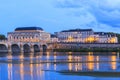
(92, 73)
(88, 50)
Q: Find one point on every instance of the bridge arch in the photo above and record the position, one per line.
(26, 48)
(3, 48)
(15, 48)
(44, 47)
(36, 48)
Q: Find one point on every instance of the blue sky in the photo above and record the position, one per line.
(56, 15)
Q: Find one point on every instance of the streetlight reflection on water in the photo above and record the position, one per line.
(21, 68)
(91, 62)
(34, 66)
(90, 59)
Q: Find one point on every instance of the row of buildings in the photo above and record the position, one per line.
(37, 34)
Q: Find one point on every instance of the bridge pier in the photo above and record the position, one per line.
(32, 48)
(22, 50)
(41, 49)
(9, 49)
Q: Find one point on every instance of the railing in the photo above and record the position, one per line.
(3, 40)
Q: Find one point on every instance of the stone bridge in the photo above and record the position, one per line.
(25, 47)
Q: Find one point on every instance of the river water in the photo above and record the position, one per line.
(60, 66)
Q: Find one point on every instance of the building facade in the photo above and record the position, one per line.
(29, 34)
(74, 35)
(85, 36)
(54, 38)
(104, 37)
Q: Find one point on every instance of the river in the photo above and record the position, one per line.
(60, 66)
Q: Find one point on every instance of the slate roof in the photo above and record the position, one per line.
(76, 30)
(28, 28)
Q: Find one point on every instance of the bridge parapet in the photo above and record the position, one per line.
(3, 41)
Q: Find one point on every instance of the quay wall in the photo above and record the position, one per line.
(85, 45)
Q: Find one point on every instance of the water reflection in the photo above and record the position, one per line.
(97, 64)
(37, 66)
(9, 71)
(113, 63)
(92, 62)
(90, 59)
(55, 59)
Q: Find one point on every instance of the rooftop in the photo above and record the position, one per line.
(53, 36)
(76, 30)
(28, 28)
(104, 33)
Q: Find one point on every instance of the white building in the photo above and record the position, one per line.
(85, 36)
(28, 34)
(54, 38)
(74, 35)
(104, 37)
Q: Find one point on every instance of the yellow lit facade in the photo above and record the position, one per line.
(91, 39)
(29, 35)
(86, 36)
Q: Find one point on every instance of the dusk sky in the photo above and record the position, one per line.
(57, 15)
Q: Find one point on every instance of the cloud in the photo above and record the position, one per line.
(105, 11)
(68, 3)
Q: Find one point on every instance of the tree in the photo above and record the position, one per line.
(118, 36)
(2, 37)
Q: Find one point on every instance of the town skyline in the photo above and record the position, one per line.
(54, 16)
(61, 30)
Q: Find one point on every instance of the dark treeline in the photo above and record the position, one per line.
(2, 37)
(118, 35)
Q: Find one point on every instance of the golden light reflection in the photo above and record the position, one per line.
(22, 71)
(9, 71)
(21, 57)
(48, 55)
(113, 62)
(37, 66)
(90, 53)
(90, 59)
(70, 58)
(70, 66)
(55, 57)
(55, 66)
(31, 70)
